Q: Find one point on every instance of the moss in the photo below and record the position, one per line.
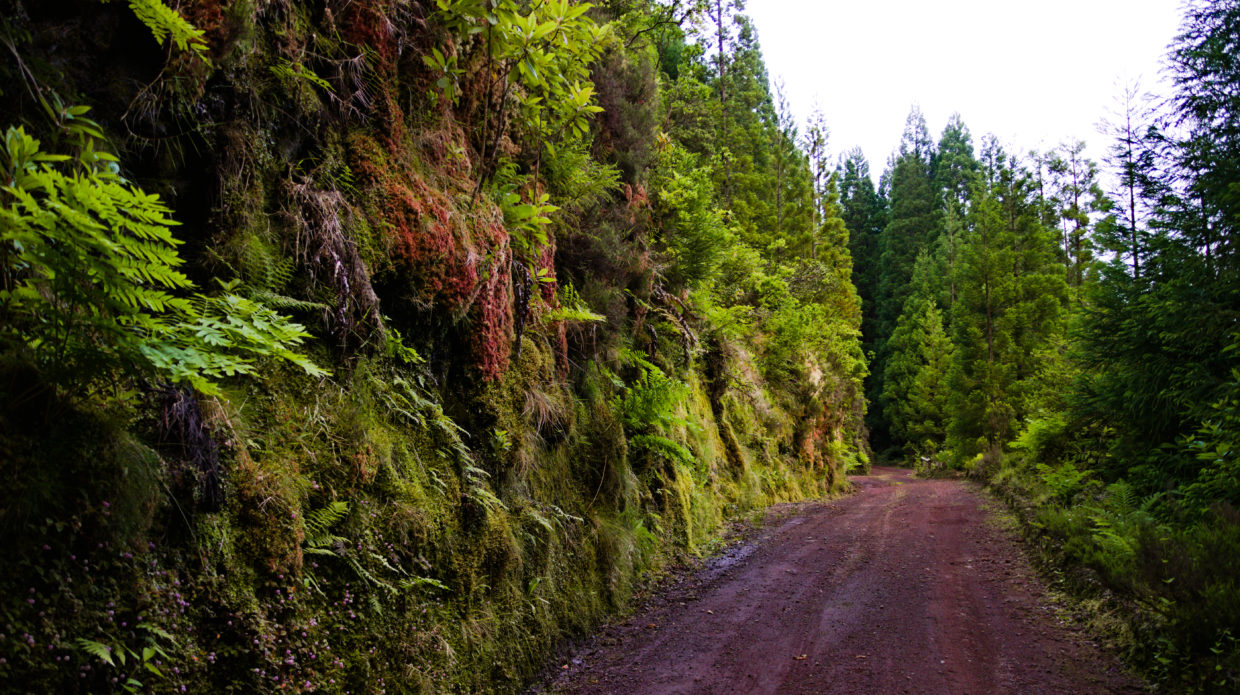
(486, 503)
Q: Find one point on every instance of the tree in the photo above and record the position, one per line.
(915, 388)
(1132, 157)
(722, 16)
(912, 222)
(912, 225)
(1012, 293)
(1156, 345)
(1075, 197)
(864, 213)
(955, 176)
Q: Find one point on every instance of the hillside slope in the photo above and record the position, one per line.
(469, 354)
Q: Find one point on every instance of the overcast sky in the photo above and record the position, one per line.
(1033, 73)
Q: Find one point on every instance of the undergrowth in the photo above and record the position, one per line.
(527, 411)
(1163, 591)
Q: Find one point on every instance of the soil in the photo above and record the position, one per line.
(907, 586)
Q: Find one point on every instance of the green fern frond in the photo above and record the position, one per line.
(653, 401)
(279, 301)
(632, 358)
(365, 575)
(158, 632)
(665, 447)
(320, 522)
(417, 582)
(95, 270)
(165, 22)
(573, 315)
(99, 650)
(294, 72)
(1123, 495)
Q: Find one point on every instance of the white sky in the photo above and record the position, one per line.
(1034, 73)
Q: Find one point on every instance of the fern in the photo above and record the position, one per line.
(653, 401)
(574, 172)
(166, 23)
(477, 489)
(650, 407)
(93, 284)
(664, 447)
(404, 399)
(99, 650)
(319, 524)
(296, 72)
(122, 655)
(266, 274)
(573, 315)
(572, 308)
(1123, 496)
(632, 358)
(416, 582)
(283, 303)
(1062, 482)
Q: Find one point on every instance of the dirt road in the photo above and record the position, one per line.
(903, 587)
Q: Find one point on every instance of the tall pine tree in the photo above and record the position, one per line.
(864, 213)
(915, 387)
(1012, 294)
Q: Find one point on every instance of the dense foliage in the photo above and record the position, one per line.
(370, 345)
(1092, 345)
(375, 345)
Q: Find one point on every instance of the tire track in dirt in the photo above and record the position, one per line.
(902, 587)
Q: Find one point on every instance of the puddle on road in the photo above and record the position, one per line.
(733, 556)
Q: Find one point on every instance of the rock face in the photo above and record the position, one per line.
(521, 420)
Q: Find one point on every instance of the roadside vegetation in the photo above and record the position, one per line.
(374, 346)
(1077, 347)
(377, 345)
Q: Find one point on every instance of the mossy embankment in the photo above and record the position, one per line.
(512, 436)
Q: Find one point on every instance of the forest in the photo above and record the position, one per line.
(381, 345)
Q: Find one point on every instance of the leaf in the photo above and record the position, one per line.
(99, 650)
(157, 631)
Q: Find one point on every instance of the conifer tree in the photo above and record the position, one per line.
(1012, 293)
(955, 166)
(912, 223)
(1075, 195)
(915, 388)
(864, 213)
(955, 176)
(1158, 342)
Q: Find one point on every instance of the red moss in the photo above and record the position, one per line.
(208, 16)
(367, 23)
(637, 205)
(493, 320)
(815, 450)
(365, 465)
(448, 151)
(457, 263)
(428, 247)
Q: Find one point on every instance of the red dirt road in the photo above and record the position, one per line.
(902, 587)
